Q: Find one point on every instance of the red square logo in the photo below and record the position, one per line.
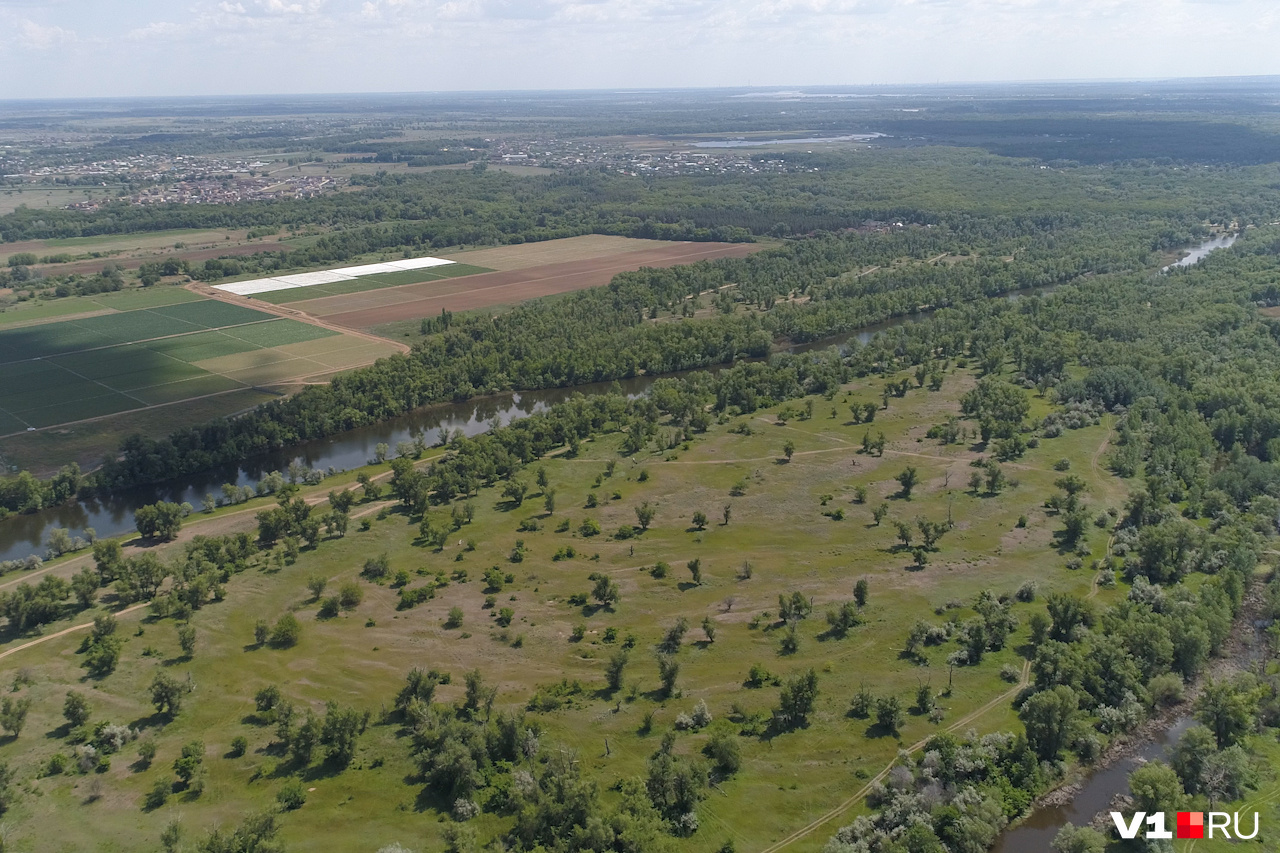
(1191, 824)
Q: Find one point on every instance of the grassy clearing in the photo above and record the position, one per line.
(147, 240)
(39, 198)
(777, 526)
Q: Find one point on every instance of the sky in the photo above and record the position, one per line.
(108, 48)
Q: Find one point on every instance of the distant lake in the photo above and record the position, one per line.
(1197, 253)
(756, 143)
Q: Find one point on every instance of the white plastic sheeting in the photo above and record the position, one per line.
(310, 279)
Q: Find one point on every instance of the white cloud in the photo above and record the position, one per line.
(42, 37)
(230, 46)
(279, 7)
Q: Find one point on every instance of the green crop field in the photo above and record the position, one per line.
(796, 526)
(369, 282)
(71, 370)
(34, 311)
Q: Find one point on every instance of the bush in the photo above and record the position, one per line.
(377, 568)
(1166, 690)
(455, 618)
(287, 632)
(722, 748)
(350, 595)
(292, 795)
(410, 598)
(239, 746)
(158, 795)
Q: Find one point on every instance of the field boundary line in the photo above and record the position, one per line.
(291, 314)
(95, 382)
(49, 358)
(132, 411)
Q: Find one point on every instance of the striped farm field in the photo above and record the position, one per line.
(156, 349)
(371, 282)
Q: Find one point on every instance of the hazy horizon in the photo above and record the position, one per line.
(81, 49)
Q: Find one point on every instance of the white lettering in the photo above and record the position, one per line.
(1130, 831)
(1156, 821)
(1255, 828)
(1218, 820)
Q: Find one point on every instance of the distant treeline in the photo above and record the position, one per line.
(451, 207)
(1092, 140)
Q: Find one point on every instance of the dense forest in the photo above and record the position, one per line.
(447, 208)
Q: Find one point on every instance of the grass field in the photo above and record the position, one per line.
(117, 245)
(369, 282)
(153, 349)
(45, 451)
(40, 310)
(38, 198)
(780, 525)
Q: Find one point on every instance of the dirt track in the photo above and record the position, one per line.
(413, 301)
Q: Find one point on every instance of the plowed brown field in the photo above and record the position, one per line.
(409, 302)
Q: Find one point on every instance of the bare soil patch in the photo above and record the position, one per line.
(525, 255)
(373, 308)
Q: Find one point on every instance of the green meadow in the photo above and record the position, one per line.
(775, 527)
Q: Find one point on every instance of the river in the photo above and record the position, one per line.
(22, 535)
(1197, 253)
(757, 143)
(1036, 833)
(112, 515)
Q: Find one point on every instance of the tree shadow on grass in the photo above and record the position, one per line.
(429, 800)
(156, 720)
(876, 730)
(59, 733)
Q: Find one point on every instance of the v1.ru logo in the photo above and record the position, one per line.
(1190, 825)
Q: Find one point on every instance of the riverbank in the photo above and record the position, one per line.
(1090, 791)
